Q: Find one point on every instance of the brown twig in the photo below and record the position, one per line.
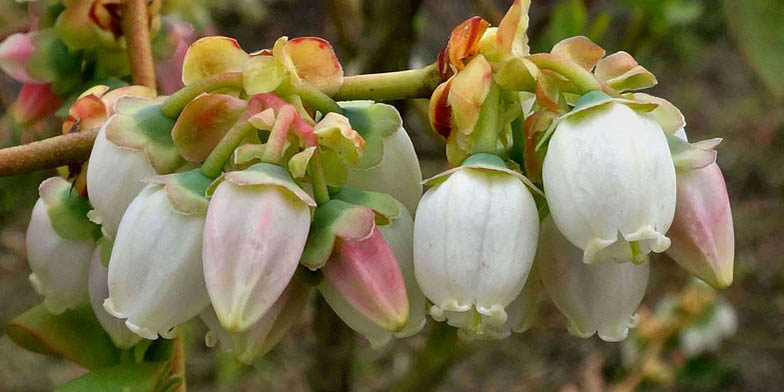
(137, 35)
(48, 153)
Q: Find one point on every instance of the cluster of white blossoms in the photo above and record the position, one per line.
(231, 207)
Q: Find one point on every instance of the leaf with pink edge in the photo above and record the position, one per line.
(203, 122)
(512, 34)
(464, 41)
(666, 114)
(316, 63)
(335, 133)
(383, 205)
(622, 72)
(581, 50)
(210, 56)
(468, 92)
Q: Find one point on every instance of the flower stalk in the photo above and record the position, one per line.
(137, 35)
(173, 105)
(581, 77)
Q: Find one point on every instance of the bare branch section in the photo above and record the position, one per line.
(49, 153)
(136, 30)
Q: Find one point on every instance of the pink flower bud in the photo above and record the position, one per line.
(702, 234)
(178, 36)
(366, 275)
(34, 103)
(15, 53)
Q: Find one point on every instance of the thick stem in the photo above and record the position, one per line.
(318, 179)
(311, 96)
(414, 83)
(334, 351)
(173, 105)
(213, 165)
(581, 77)
(48, 153)
(432, 363)
(136, 30)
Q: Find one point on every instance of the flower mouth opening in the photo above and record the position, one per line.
(633, 247)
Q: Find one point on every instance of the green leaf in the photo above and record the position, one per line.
(137, 377)
(756, 26)
(74, 334)
(335, 219)
(374, 122)
(384, 205)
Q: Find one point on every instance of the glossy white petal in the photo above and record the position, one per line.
(99, 291)
(596, 298)
(114, 178)
(399, 235)
(156, 279)
(609, 180)
(59, 266)
(253, 240)
(398, 173)
(474, 242)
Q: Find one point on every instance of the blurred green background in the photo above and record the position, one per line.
(721, 62)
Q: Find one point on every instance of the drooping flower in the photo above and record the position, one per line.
(121, 336)
(134, 144)
(60, 241)
(596, 298)
(389, 163)
(256, 228)
(610, 180)
(702, 233)
(267, 332)
(474, 242)
(156, 280)
(34, 103)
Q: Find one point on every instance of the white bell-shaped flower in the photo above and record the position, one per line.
(121, 336)
(596, 298)
(156, 280)
(475, 237)
(399, 236)
(610, 182)
(60, 240)
(257, 225)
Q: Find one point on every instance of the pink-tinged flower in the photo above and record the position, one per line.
(34, 103)
(15, 53)
(98, 286)
(596, 298)
(177, 36)
(60, 240)
(363, 275)
(262, 336)
(702, 234)
(257, 224)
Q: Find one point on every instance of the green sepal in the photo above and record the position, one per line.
(383, 205)
(75, 335)
(692, 156)
(67, 211)
(133, 377)
(264, 174)
(334, 219)
(139, 124)
(187, 191)
(374, 122)
(485, 162)
(593, 100)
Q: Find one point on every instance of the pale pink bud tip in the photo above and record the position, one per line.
(702, 234)
(366, 273)
(15, 53)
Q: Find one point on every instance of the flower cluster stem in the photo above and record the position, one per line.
(414, 83)
(582, 78)
(311, 96)
(174, 104)
(136, 30)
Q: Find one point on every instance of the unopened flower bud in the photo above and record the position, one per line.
(60, 241)
(610, 182)
(474, 242)
(595, 298)
(257, 225)
(15, 53)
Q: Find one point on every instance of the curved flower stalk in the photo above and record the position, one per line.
(702, 233)
(156, 280)
(60, 240)
(267, 332)
(256, 228)
(475, 237)
(389, 163)
(610, 180)
(595, 298)
(134, 144)
(398, 234)
(121, 336)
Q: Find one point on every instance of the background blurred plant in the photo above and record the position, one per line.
(691, 43)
